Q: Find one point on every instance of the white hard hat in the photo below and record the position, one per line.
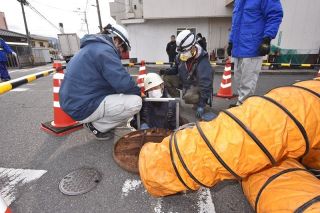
(119, 31)
(152, 80)
(185, 40)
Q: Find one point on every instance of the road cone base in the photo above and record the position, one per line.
(59, 131)
(225, 96)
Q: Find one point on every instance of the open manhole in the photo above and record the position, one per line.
(79, 181)
(127, 148)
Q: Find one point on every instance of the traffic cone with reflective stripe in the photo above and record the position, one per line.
(62, 123)
(225, 90)
(3, 206)
(140, 80)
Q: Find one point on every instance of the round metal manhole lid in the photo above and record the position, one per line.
(127, 148)
(80, 181)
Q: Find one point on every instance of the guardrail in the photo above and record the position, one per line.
(223, 64)
(9, 85)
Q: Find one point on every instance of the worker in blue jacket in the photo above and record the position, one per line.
(4, 50)
(97, 90)
(194, 71)
(254, 24)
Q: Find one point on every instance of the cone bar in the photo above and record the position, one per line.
(62, 124)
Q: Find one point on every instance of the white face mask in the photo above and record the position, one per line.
(157, 93)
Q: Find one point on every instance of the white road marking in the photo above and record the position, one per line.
(11, 179)
(205, 202)
(130, 185)
(157, 208)
(21, 89)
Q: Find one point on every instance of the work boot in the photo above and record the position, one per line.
(101, 136)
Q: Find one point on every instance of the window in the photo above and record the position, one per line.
(192, 29)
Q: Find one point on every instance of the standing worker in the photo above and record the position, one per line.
(171, 49)
(97, 90)
(193, 70)
(254, 24)
(4, 50)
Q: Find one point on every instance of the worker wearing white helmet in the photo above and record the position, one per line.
(97, 90)
(193, 70)
(156, 114)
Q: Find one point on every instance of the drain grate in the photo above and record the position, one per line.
(80, 181)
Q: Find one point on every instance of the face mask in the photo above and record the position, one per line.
(155, 93)
(184, 56)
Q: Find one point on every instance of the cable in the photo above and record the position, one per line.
(36, 11)
(52, 7)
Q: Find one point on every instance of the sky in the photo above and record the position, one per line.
(56, 11)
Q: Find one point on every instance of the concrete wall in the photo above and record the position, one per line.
(154, 9)
(149, 40)
(300, 28)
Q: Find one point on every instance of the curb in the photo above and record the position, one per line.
(9, 85)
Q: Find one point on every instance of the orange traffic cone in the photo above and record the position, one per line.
(3, 206)
(62, 123)
(140, 80)
(56, 65)
(225, 90)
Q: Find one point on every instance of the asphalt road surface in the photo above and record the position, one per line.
(32, 163)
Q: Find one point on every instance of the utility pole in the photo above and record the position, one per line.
(24, 2)
(86, 21)
(99, 16)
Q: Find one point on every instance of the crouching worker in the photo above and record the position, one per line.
(193, 70)
(97, 90)
(156, 114)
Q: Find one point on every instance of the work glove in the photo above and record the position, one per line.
(209, 116)
(229, 49)
(163, 71)
(14, 53)
(144, 126)
(199, 112)
(264, 48)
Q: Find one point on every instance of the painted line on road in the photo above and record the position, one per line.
(9, 85)
(20, 89)
(11, 179)
(28, 70)
(130, 185)
(205, 202)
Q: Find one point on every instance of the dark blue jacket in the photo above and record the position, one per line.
(200, 75)
(253, 20)
(4, 50)
(92, 74)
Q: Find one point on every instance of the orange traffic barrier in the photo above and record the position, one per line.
(62, 123)
(225, 90)
(3, 206)
(140, 80)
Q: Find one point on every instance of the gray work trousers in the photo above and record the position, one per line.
(246, 74)
(113, 111)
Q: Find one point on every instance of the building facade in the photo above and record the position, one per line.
(150, 23)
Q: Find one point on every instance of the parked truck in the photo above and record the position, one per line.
(69, 44)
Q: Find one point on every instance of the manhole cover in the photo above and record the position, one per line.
(127, 148)
(79, 181)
